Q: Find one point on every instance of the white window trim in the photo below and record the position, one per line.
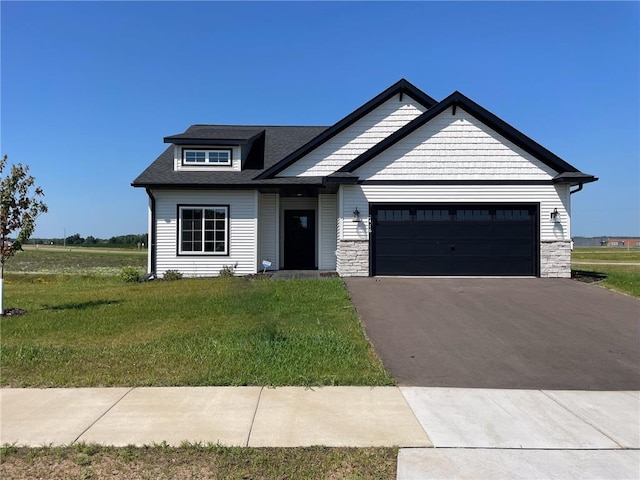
(226, 230)
(207, 152)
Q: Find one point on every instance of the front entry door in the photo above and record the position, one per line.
(299, 239)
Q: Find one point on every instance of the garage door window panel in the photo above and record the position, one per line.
(432, 215)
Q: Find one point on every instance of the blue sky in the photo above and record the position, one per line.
(89, 89)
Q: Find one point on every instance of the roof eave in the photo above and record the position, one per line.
(573, 178)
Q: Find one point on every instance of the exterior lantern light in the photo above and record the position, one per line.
(356, 215)
(555, 215)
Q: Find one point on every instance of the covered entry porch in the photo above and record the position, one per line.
(297, 229)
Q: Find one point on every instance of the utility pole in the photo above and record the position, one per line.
(64, 238)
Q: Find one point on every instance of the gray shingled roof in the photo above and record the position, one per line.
(216, 132)
(280, 141)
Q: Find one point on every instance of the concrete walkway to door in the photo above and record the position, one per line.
(526, 333)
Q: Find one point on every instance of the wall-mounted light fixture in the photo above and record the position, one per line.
(356, 216)
(555, 215)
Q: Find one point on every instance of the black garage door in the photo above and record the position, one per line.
(454, 239)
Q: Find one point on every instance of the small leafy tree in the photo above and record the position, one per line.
(20, 205)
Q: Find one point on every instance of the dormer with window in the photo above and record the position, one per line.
(217, 148)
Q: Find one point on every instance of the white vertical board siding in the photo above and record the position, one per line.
(357, 138)
(327, 231)
(549, 197)
(454, 147)
(268, 229)
(296, 203)
(243, 232)
(236, 160)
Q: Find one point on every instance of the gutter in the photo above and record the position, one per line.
(571, 192)
(152, 233)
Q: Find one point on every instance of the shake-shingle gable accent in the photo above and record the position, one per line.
(400, 88)
(567, 172)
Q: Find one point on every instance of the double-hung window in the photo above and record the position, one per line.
(203, 230)
(218, 156)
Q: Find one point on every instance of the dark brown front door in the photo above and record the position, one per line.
(299, 239)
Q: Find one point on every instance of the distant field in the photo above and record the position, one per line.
(75, 260)
(600, 254)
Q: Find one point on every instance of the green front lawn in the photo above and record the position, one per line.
(99, 331)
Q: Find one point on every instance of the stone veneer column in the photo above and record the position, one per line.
(353, 258)
(555, 259)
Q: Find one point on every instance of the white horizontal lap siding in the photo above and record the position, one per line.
(242, 232)
(453, 147)
(327, 238)
(268, 230)
(549, 197)
(236, 160)
(353, 197)
(356, 138)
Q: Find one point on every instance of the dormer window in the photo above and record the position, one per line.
(218, 156)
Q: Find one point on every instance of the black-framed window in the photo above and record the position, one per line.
(203, 230)
(217, 156)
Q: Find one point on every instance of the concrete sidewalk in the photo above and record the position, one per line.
(477, 433)
(234, 416)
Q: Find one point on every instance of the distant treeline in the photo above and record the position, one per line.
(132, 240)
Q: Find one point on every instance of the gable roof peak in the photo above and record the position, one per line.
(400, 87)
(489, 119)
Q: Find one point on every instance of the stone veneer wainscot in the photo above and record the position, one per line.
(555, 259)
(353, 258)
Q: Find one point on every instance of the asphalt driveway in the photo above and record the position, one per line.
(501, 333)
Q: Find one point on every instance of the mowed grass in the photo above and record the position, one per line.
(98, 332)
(621, 278)
(198, 461)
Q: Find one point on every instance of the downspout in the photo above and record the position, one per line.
(571, 192)
(152, 233)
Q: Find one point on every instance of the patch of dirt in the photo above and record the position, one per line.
(13, 312)
(260, 275)
(587, 277)
(329, 274)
